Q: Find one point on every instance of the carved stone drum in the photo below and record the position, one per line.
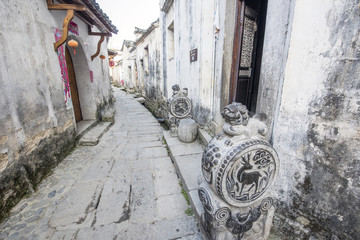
(238, 166)
(240, 172)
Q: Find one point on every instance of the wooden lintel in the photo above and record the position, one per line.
(98, 48)
(90, 32)
(69, 16)
(64, 6)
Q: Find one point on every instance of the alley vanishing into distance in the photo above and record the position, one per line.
(125, 187)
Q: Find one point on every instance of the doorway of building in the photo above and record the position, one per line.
(73, 86)
(248, 44)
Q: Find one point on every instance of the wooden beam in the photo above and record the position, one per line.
(89, 12)
(76, 7)
(69, 16)
(90, 32)
(98, 48)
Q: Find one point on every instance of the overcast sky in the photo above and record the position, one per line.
(126, 14)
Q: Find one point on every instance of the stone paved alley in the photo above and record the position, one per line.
(125, 187)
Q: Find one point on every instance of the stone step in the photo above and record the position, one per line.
(187, 161)
(83, 127)
(92, 137)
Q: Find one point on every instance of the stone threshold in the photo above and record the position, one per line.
(187, 161)
(92, 137)
(83, 127)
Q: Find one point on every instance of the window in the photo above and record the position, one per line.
(146, 59)
(170, 41)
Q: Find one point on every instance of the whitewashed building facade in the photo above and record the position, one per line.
(48, 88)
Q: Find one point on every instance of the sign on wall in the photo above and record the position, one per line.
(193, 55)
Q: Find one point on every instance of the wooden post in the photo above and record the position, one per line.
(98, 48)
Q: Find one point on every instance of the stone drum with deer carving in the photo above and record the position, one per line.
(238, 166)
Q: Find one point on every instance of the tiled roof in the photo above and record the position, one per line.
(148, 30)
(102, 19)
(99, 12)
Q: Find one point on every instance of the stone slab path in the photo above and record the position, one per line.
(125, 187)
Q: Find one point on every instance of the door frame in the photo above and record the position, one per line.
(257, 54)
(73, 86)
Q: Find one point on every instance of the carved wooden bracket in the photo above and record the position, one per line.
(98, 48)
(70, 14)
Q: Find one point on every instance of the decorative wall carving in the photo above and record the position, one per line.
(238, 166)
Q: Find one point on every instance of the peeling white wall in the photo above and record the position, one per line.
(309, 92)
(33, 102)
(149, 65)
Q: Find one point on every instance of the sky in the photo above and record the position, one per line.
(128, 14)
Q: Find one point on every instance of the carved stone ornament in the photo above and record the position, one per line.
(179, 107)
(180, 104)
(239, 166)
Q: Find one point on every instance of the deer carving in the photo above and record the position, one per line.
(247, 178)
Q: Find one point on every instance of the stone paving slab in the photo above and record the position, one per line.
(143, 204)
(114, 203)
(77, 207)
(171, 206)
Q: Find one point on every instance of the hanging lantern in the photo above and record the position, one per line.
(72, 43)
(102, 57)
(111, 62)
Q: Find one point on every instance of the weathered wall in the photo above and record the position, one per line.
(117, 73)
(314, 108)
(275, 54)
(128, 68)
(193, 29)
(36, 129)
(148, 62)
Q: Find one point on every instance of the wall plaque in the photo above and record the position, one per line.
(193, 55)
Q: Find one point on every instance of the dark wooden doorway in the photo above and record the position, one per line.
(73, 86)
(248, 44)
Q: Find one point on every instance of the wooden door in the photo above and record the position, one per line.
(73, 86)
(247, 52)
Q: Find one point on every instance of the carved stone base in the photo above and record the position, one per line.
(222, 221)
(173, 130)
(187, 130)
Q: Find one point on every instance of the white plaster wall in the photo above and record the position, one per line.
(129, 61)
(193, 29)
(316, 129)
(33, 96)
(150, 76)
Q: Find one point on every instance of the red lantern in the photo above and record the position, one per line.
(102, 57)
(72, 43)
(111, 62)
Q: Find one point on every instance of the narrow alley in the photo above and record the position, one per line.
(125, 187)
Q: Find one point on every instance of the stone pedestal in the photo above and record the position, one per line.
(238, 166)
(187, 130)
(223, 221)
